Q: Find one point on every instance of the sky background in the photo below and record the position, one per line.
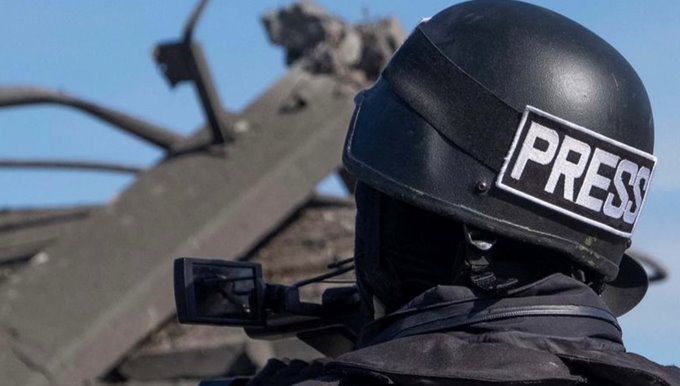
(101, 50)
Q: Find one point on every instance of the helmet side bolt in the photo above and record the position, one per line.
(482, 186)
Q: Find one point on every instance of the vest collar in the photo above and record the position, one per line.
(556, 314)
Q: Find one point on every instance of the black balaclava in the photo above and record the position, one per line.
(402, 251)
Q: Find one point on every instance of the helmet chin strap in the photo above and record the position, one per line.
(478, 256)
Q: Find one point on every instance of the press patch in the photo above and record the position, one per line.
(577, 172)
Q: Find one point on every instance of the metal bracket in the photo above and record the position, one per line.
(184, 60)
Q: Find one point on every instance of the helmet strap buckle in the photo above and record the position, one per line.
(478, 257)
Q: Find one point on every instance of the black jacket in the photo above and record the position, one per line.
(553, 332)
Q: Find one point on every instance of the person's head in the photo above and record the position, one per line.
(503, 142)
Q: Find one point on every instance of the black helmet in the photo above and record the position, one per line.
(517, 121)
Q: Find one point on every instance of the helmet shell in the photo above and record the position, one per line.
(522, 55)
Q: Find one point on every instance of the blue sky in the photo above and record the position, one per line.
(102, 51)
